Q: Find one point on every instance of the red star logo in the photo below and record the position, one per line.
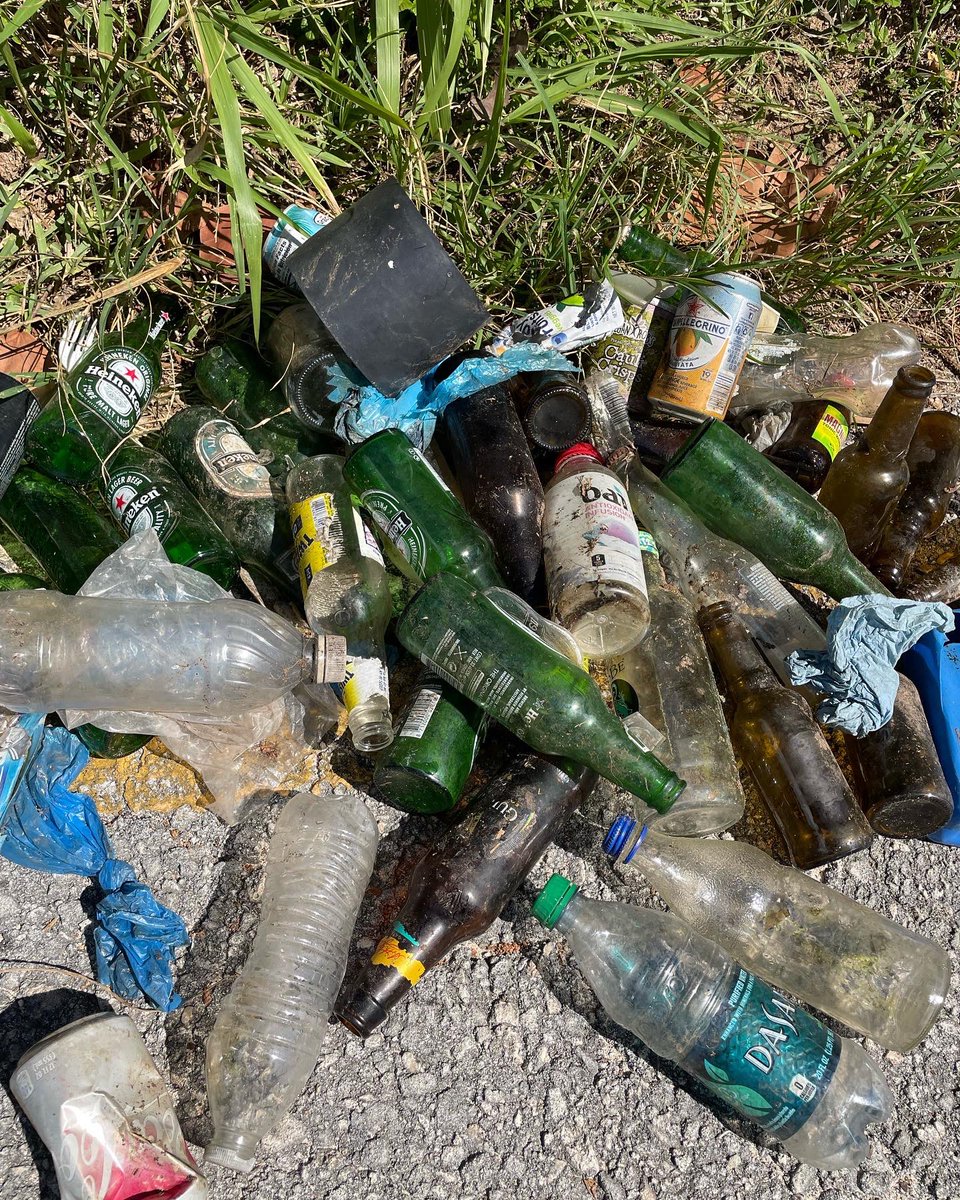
(131, 373)
(120, 502)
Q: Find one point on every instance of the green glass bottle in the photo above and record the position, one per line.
(432, 755)
(142, 491)
(101, 401)
(418, 514)
(70, 539)
(227, 477)
(867, 479)
(234, 379)
(538, 694)
(741, 495)
(662, 259)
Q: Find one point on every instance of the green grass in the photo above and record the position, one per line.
(526, 131)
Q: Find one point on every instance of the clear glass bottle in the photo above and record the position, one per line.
(592, 555)
(669, 680)
(272, 1026)
(792, 930)
(752, 1046)
(212, 659)
(345, 590)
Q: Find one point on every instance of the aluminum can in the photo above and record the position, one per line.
(709, 338)
(94, 1095)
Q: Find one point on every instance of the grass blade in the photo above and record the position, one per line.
(386, 24)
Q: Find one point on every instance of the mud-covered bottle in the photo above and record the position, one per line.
(780, 743)
(234, 379)
(539, 695)
(143, 491)
(742, 496)
(345, 590)
(934, 464)
(752, 1045)
(303, 352)
(416, 512)
(218, 464)
(816, 434)
(555, 409)
(69, 538)
(101, 400)
(433, 750)
(669, 680)
(483, 442)
(800, 935)
(867, 479)
(463, 883)
(594, 565)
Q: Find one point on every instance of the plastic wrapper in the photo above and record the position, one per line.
(241, 761)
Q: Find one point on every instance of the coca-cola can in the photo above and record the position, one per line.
(94, 1095)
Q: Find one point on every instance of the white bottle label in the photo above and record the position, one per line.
(369, 546)
(421, 710)
(590, 535)
(363, 679)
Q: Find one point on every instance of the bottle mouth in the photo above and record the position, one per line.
(369, 736)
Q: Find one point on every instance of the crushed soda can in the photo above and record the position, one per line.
(94, 1095)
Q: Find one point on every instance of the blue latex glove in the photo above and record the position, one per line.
(50, 828)
(364, 411)
(866, 635)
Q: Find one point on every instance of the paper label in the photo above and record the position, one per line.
(590, 536)
(765, 1056)
(397, 527)
(230, 463)
(317, 535)
(137, 504)
(647, 544)
(363, 679)
(116, 385)
(421, 710)
(367, 540)
(831, 431)
(389, 953)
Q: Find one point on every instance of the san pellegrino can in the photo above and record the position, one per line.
(708, 343)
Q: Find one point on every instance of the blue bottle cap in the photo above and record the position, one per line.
(618, 835)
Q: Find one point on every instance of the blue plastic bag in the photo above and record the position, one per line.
(50, 828)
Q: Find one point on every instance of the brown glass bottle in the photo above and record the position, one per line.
(867, 479)
(778, 740)
(897, 773)
(815, 436)
(463, 884)
(933, 462)
(555, 410)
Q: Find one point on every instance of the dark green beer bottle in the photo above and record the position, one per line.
(142, 491)
(427, 765)
(417, 513)
(539, 695)
(235, 380)
(14, 581)
(218, 464)
(69, 538)
(101, 401)
(741, 495)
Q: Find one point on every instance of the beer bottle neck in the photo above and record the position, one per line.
(737, 658)
(895, 422)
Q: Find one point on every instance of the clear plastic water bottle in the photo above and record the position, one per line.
(268, 1035)
(753, 1046)
(210, 659)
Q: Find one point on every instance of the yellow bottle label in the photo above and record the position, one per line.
(317, 535)
(365, 677)
(389, 953)
(831, 431)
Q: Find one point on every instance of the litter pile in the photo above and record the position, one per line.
(650, 463)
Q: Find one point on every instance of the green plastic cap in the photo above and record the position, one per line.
(553, 899)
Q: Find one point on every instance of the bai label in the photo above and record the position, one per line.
(230, 463)
(137, 504)
(116, 385)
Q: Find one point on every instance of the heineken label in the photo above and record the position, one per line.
(137, 504)
(398, 528)
(765, 1056)
(116, 385)
(229, 461)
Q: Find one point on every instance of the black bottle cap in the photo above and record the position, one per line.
(362, 1014)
